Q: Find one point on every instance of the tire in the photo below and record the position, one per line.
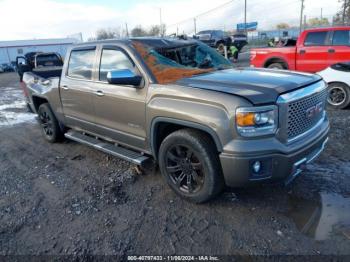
(276, 66)
(338, 95)
(49, 124)
(190, 164)
(221, 48)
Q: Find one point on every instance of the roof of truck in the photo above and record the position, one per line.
(327, 28)
(156, 42)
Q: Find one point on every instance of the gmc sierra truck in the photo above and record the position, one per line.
(315, 50)
(181, 104)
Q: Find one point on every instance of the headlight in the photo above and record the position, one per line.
(256, 121)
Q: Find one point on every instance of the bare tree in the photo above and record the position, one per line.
(282, 26)
(154, 31)
(343, 16)
(314, 22)
(109, 33)
(138, 31)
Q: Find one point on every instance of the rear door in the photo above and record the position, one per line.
(340, 49)
(120, 109)
(312, 56)
(76, 88)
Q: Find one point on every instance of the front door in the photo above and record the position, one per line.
(119, 109)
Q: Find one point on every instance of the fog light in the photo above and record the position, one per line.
(256, 166)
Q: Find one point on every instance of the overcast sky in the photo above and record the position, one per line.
(29, 19)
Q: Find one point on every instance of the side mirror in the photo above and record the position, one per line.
(123, 77)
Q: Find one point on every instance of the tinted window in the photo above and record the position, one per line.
(113, 60)
(81, 64)
(341, 37)
(315, 39)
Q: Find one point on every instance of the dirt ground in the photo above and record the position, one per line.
(67, 198)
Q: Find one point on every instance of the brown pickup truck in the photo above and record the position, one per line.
(181, 104)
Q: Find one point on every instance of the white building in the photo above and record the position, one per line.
(9, 50)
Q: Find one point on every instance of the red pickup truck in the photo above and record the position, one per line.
(315, 50)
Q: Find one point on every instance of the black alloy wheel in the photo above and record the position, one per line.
(49, 124)
(189, 162)
(185, 168)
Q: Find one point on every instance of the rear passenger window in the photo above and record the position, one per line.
(81, 64)
(341, 37)
(112, 59)
(316, 38)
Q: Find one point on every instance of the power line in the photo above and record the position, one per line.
(201, 14)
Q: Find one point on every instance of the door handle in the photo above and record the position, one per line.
(331, 51)
(99, 93)
(65, 87)
(302, 52)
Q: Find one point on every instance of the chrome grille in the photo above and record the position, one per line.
(294, 108)
(298, 122)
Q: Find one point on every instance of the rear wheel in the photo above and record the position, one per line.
(276, 66)
(49, 124)
(338, 95)
(189, 162)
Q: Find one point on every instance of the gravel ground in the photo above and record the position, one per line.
(66, 198)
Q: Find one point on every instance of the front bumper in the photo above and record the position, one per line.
(276, 164)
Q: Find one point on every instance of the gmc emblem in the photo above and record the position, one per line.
(315, 110)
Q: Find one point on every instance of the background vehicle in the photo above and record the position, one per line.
(214, 38)
(181, 104)
(315, 50)
(43, 64)
(338, 78)
(7, 67)
(239, 41)
(1, 69)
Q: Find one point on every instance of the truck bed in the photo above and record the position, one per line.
(48, 72)
(260, 57)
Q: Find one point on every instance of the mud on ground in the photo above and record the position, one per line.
(69, 199)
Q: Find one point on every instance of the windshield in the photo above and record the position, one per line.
(170, 64)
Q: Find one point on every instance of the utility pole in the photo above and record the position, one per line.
(195, 25)
(245, 17)
(126, 29)
(321, 14)
(344, 11)
(160, 22)
(301, 15)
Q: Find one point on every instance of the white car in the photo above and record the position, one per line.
(338, 78)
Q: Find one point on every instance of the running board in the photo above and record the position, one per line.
(108, 148)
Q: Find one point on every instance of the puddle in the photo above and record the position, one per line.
(322, 219)
(13, 108)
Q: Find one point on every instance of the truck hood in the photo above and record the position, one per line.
(259, 86)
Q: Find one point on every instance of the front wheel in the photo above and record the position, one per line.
(338, 95)
(189, 162)
(49, 124)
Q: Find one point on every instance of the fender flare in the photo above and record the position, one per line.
(184, 123)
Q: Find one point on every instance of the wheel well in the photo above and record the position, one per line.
(276, 60)
(162, 129)
(338, 82)
(37, 101)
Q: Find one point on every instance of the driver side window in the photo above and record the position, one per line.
(113, 59)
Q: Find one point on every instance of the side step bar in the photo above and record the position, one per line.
(108, 148)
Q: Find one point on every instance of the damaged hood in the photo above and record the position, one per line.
(259, 86)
